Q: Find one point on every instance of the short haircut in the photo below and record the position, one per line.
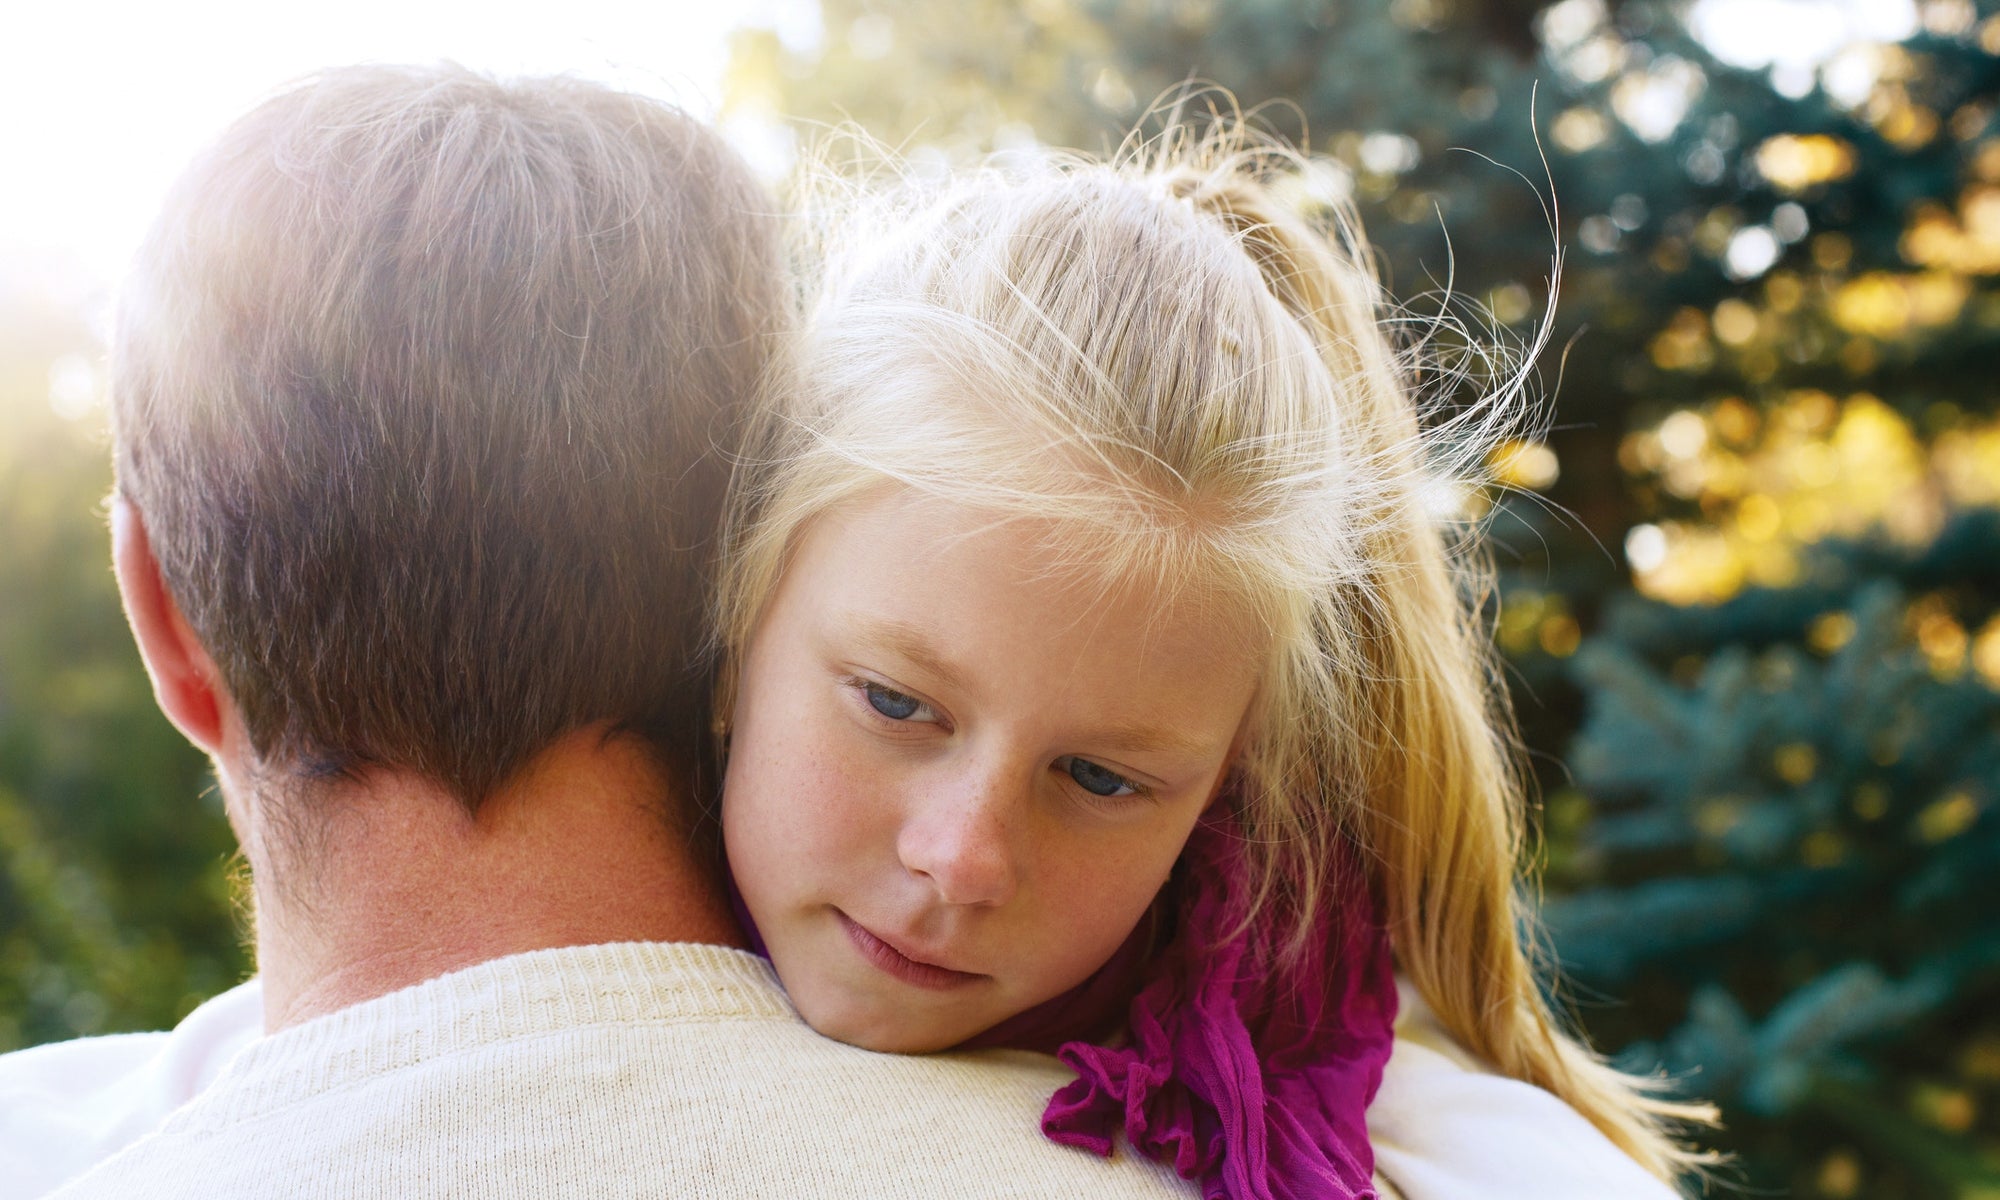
(425, 384)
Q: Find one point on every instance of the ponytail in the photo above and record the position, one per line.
(1439, 806)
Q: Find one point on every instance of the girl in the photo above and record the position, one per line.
(1099, 674)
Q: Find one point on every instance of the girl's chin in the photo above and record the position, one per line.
(884, 1031)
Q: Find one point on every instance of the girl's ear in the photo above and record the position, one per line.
(186, 684)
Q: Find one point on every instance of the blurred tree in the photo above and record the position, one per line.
(1781, 841)
(114, 897)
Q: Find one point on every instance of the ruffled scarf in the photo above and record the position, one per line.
(1248, 1073)
(1242, 1070)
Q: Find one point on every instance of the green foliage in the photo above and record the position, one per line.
(1790, 848)
(114, 896)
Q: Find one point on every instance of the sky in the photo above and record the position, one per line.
(102, 103)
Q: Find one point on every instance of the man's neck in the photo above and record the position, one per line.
(400, 884)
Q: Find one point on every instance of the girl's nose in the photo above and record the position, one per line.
(960, 839)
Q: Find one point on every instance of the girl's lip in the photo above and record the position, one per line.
(894, 962)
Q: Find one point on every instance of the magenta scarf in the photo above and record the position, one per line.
(1251, 1077)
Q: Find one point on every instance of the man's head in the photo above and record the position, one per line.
(419, 387)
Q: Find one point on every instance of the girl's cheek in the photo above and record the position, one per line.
(847, 804)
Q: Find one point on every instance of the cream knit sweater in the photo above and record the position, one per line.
(622, 1070)
(668, 1070)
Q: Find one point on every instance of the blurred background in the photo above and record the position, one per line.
(1750, 581)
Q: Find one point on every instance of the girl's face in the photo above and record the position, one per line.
(957, 776)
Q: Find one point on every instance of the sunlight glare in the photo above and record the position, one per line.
(109, 101)
(1796, 37)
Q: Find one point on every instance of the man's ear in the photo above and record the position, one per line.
(185, 682)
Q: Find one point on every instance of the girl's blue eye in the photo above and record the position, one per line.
(891, 703)
(1099, 781)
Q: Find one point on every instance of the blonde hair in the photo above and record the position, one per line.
(1168, 365)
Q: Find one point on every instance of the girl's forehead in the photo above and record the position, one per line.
(967, 555)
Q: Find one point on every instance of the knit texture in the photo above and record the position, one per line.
(639, 1069)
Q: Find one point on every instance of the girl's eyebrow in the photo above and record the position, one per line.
(1148, 741)
(910, 641)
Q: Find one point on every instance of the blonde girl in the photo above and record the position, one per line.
(1095, 607)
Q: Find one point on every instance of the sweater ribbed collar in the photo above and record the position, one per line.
(519, 996)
